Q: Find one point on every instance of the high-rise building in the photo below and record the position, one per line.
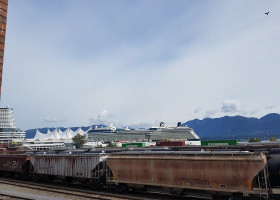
(8, 130)
(3, 21)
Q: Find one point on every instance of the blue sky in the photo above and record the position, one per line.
(78, 62)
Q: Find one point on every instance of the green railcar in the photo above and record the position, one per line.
(134, 144)
(219, 142)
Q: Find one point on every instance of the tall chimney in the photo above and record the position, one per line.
(3, 21)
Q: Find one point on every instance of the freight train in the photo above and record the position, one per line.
(216, 174)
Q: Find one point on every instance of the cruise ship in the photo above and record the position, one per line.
(160, 133)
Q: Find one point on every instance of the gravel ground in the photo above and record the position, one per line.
(35, 194)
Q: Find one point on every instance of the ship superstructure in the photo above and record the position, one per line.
(162, 132)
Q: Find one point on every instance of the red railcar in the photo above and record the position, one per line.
(15, 164)
(171, 143)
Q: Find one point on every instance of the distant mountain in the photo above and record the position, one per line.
(218, 128)
(237, 127)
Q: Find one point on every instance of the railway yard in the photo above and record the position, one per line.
(28, 190)
(233, 173)
(18, 189)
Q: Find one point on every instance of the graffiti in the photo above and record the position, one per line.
(120, 173)
(193, 182)
(12, 165)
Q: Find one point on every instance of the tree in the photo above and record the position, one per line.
(254, 140)
(273, 139)
(111, 144)
(79, 140)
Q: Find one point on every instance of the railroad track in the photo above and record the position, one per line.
(85, 194)
(78, 193)
(8, 196)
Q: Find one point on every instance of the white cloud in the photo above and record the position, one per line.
(52, 119)
(270, 107)
(197, 110)
(104, 117)
(210, 113)
(254, 112)
(157, 66)
(230, 106)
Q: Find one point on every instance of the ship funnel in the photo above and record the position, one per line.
(179, 124)
(161, 124)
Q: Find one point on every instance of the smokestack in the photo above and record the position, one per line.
(161, 124)
(3, 21)
(179, 124)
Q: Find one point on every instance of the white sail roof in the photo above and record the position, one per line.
(67, 134)
(80, 131)
(89, 129)
(57, 134)
(39, 135)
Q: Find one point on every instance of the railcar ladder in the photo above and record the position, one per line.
(263, 181)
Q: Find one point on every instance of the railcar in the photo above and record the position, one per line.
(231, 174)
(87, 168)
(15, 165)
(171, 143)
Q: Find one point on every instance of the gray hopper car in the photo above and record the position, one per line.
(85, 167)
(214, 173)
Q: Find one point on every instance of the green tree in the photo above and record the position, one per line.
(254, 140)
(79, 140)
(273, 139)
(111, 144)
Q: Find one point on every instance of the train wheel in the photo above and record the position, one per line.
(119, 188)
(95, 186)
(69, 180)
(236, 197)
(35, 178)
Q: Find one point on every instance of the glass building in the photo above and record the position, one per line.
(8, 130)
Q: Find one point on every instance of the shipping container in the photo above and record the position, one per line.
(219, 142)
(134, 144)
(171, 143)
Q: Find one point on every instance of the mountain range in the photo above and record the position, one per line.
(237, 127)
(227, 127)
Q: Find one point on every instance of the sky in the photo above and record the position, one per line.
(136, 63)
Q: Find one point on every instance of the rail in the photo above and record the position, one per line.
(67, 191)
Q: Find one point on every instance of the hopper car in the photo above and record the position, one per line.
(232, 174)
(85, 168)
(15, 165)
(227, 174)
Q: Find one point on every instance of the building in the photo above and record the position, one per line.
(38, 145)
(55, 139)
(8, 130)
(3, 21)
